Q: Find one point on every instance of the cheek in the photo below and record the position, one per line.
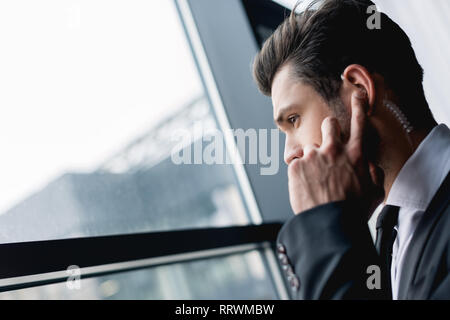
(310, 129)
(308, 133)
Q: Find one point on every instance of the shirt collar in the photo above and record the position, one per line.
(424, 172)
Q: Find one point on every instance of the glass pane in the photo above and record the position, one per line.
(234, 277)
(91, 93)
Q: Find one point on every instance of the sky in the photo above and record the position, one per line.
(79, 80)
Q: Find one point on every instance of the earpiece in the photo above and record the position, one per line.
(399, 115)
(395, 110)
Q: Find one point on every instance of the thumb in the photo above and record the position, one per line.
(357, 125)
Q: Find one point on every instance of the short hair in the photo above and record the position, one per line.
(320, 43)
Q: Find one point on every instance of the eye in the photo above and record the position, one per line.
(293, 119)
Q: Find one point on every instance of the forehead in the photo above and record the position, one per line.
(286, 90)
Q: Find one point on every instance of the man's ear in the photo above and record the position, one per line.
(361, 79)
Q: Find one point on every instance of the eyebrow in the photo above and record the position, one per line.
(283, 111)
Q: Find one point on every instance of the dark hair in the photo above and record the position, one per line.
(320, 43)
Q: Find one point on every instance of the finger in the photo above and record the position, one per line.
(330, 132)
(309, 149)
(358, 121)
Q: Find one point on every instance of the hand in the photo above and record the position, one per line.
(336, 171)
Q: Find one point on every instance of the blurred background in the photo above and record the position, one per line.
(90, 92)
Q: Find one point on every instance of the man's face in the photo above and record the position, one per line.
(298, 111)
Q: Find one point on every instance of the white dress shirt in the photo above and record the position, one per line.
(414, 188)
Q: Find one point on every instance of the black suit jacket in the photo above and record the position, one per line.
(326, 252)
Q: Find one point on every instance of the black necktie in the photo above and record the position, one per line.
(386, 235)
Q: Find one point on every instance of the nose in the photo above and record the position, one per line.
(292, 150)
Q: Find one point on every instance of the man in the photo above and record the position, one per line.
(359, 132)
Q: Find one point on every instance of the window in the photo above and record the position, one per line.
(92, 92)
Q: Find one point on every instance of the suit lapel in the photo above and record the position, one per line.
(416, 247)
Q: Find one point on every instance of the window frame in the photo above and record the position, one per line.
(37, 263)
